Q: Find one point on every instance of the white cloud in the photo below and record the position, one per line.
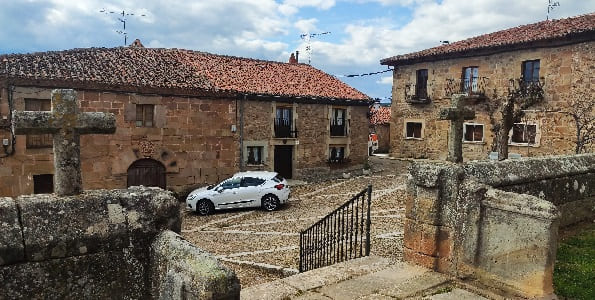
(306, 25)
(385, 80)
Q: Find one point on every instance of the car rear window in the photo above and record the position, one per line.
(252, 181)
(278, 178)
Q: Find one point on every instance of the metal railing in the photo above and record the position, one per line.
(416, 93)
(338, 127)
(342, 235)
(283, 128)
(473, 87)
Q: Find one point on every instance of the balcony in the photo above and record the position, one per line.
(471, 87)
(338, 127)
(416, 94)
(283, 128)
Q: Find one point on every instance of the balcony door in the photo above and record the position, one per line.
(283, 122)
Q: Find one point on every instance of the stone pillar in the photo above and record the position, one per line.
(427, 237)
(67, 162)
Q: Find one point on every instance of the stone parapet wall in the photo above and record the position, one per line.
(90, 246)
(496, 222)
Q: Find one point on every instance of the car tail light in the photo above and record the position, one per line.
(280, 186)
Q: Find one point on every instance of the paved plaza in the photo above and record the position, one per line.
(263, 246)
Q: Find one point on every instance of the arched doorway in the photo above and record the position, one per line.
(147, 172)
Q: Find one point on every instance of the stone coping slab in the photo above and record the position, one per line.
(46, 226)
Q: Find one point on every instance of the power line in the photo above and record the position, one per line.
(122, 19)
(363, 74)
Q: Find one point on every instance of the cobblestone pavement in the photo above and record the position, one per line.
(262, 246)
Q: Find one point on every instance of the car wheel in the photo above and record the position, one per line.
(270, 202)
(205, 207)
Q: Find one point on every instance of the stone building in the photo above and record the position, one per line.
(380, 125)
(557, 55)
(184, 118)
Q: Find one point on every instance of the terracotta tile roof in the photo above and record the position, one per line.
(175, 69)
(380, 116)
(518, 37)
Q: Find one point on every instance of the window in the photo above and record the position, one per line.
(43, 184)
(470, 76)
(283, 123)
(473, 132)
(413, 130)
(530, 70)
(231, 183)
(338, 127)
(255, 155)
(38, 140)
(524, 134)
(421, 84)
(337, 154)
(144, 115)
(252, 181)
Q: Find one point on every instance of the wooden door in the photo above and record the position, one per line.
(147, 172)
(284, 160)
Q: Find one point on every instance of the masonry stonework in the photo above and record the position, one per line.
(566, 72)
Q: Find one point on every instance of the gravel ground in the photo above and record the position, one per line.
(273, 237)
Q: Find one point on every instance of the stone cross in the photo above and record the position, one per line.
(457, 114)
(66, 125)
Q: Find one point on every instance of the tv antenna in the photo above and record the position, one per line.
(307, 38)
(122, 19)
(550, 6)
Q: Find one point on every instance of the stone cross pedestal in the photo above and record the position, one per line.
(66, 125)
(457, 114)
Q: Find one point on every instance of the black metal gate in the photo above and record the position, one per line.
(342, 235)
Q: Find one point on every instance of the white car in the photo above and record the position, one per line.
(245, 189)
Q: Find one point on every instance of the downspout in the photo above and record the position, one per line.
(242, 164)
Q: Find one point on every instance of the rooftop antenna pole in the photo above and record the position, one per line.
(122, 19)
(307, 37)
(550, 6)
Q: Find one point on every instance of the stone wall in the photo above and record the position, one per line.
(192, 138)
(98, 245)
(566, 72)
(472, 221)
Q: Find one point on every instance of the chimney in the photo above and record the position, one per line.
(137, 44)
(297, 56)
(292, 59)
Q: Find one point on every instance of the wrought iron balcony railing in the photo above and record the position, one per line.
(471, 87)
(338, 127)
(416, 94)
(283, 128)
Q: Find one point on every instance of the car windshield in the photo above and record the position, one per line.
(278, 178)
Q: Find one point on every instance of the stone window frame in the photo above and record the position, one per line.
(38, 141)
(482, 133)
(264, 145)
(528, 144)
(143, 118)
(423, 128)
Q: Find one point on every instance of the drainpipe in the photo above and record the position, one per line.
(242, 164)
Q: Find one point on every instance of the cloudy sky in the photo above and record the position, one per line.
(361, 32)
